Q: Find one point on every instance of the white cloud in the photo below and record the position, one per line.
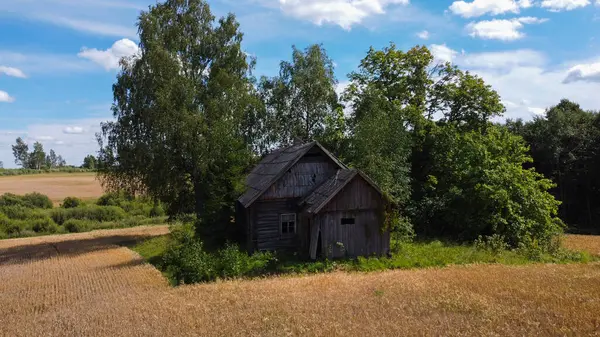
(56, 64)
(502, 60)
(537, 111)
(73, 130)
(14, 72)
(584, 73)
(564, 5)
(44, 138)
(423, 35)
(73, 147)
(504, 30)
(110, 58)
(442, 53)
(5, 97)
(344, 13)
(482, 7)
(90, 26)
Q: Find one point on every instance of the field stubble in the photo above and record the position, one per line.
(56, 186)
(85, 284)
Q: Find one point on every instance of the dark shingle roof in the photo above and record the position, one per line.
(273, 166)
(328, 190)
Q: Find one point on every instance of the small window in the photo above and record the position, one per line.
(348, 221)
(288, 224)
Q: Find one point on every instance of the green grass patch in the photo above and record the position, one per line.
(405, 256)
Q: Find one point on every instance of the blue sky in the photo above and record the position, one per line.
(58, 58)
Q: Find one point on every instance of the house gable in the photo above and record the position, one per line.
(275, 165)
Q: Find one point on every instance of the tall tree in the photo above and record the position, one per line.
(21, 153)
(37, 158)
(181, 106)
(51, 159)
(89, 162)
(302, 97)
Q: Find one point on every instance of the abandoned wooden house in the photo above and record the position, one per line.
(303, 199)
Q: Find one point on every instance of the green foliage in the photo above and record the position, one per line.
(301, 99)
(190, 147)
(89, 162)
(26, 171)
(37, 200)
(119, 199)
(31, 200)
(565, 148)
(187, 261)
(91, 212)
(43, 225)
(77, 226)
(477, 186)
(71, 202)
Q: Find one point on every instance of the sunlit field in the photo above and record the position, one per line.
(92, 284)
(56, 186)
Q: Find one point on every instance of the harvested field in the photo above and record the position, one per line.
(588, 243)
(56, 186)
(86, 285)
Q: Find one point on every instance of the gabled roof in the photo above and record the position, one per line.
(273, 166)
(331, 187)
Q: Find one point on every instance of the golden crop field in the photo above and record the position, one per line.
(88, 285)
(56, 186)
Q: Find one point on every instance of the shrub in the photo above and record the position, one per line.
(77, 226)
(37, 200)
(157, 211)
(71, 202)
(494, 243)
(92, 212)
(21, 212)
(9, 199)
(187, 261)
(43, 225)
(115, 199)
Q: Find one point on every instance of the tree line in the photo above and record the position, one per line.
(191, 120)
(37, 159)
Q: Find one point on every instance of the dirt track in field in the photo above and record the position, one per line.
(89, 285)
(56, 186)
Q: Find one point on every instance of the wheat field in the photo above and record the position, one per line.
(56, 186)
(90, 285)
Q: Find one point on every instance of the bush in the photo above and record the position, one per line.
(115, 199)
(187, 261)
(157, 211)
(92, 212)
(71, 202)
(43, 225)
(77, 226)
(20, 212)
(37, 200)
(31, 200)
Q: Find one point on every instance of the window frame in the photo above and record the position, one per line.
(281, 222)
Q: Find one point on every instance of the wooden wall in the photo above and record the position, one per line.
(358, 200)
(266, 233)
(302, 178)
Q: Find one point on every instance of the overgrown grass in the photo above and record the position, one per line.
(164, 252)
(33, 214)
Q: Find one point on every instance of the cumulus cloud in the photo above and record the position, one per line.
(504, 30)
(423, 35)
(443, 53)
(109, 59)
(537, 111)
(344, 13)
(564, 5)
(5, 97)
(526, 83)
(583, 73)
(491, 7)
(73, 130)
(10, 71)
